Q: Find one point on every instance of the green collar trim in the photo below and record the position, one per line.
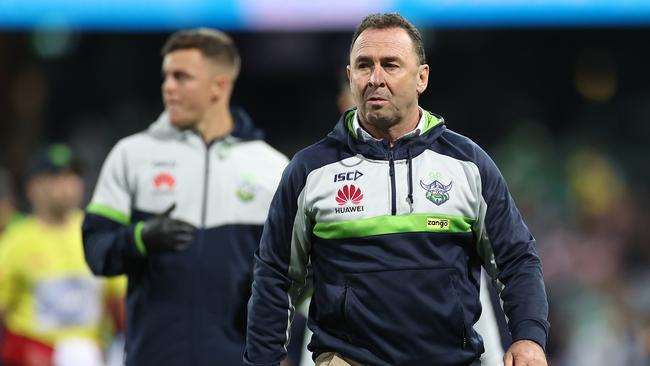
(349, 122)
(430, 121)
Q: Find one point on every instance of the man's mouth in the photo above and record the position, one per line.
(377, 101)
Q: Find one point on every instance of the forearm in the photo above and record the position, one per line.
(110, 247)
(269, 316)
(524, 299)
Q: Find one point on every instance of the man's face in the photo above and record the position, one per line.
(188, 87)
(385, 76)
(58, 193)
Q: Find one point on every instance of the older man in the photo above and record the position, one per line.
(391, 217)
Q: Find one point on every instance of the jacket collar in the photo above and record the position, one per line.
(366, 136)
(243, 128)
(344, 132)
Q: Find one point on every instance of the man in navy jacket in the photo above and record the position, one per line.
(179, 209)
(390, 218)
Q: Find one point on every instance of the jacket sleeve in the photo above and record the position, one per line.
(111, 242)
(281, 271)
(508, 250)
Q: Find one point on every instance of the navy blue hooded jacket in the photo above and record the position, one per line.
(392, 241)
(186, 308)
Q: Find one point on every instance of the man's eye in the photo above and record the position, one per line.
(362, 65)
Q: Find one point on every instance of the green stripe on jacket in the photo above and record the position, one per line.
(380, 225)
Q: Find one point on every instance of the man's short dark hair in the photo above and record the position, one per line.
(213, 44)
(392, 20)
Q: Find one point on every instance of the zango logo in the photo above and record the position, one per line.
(437, 224)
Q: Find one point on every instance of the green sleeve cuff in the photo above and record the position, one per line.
(108, 212)
(137, 233)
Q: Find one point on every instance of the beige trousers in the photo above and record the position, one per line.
(334, 359)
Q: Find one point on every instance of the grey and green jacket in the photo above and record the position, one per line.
(186, 308)
(392, 239)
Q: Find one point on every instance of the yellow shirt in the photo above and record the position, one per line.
(47, 291)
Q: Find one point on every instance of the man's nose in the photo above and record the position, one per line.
(168, 84)
(377, 77)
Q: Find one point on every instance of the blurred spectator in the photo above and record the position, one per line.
(50, 302)
(8, 213)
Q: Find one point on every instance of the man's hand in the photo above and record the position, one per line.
(525, 353)
(164, 234)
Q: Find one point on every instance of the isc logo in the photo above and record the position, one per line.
(340, 177)
(437, 224)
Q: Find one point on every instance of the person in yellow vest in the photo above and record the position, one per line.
(51, 305)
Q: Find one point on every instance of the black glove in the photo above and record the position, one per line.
(164, 234)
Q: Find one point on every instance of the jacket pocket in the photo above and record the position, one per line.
(328, 304)
(410, 316)
(461, 310)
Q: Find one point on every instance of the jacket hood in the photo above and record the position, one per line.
(403, 148)
(243, 129)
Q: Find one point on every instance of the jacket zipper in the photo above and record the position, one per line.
(199, 254)
(204, 205)
(464, 338)
(391, 171)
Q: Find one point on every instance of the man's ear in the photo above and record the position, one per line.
(423, 78)
(221, 85)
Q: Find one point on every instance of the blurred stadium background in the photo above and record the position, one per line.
(557, 91)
